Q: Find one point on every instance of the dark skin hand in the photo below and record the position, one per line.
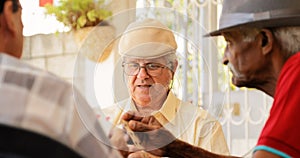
(160, 142)
(153, 136)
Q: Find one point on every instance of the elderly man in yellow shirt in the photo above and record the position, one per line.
(149, 61)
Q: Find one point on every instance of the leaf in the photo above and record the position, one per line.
(81, 21)
(92, 15)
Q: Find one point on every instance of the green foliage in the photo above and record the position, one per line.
(79, 13)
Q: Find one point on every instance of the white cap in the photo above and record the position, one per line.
(147, 39)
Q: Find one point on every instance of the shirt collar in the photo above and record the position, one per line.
(168, 110)
(165, 114)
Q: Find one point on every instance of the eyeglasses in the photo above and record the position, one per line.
(152, 69)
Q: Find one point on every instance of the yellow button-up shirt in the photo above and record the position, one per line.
(187, 122)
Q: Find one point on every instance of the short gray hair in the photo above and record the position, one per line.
(170, 60)
(288, 38)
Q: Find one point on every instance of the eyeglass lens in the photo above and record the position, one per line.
(153, 69)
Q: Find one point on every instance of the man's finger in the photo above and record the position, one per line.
(132, 115)
(128, 115)
(146, 119)
(141, 127)
(152, 121)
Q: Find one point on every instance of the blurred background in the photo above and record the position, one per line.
(201, 79)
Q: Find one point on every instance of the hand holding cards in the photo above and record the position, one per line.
(131, 134)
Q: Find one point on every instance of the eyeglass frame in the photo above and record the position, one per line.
(161, 67)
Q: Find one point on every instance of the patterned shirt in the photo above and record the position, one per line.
(40, 102)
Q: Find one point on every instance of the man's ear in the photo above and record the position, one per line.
(175, 64)
(8, 21)
(267, 41)
(174, 67)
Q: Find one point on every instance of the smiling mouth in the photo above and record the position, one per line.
(143, 85)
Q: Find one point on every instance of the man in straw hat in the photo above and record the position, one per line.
(263, 52)
(149, 61)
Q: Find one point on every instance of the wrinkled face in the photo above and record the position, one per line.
(146, 89)
(245, 60)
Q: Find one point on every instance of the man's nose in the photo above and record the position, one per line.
(143, 73)
(225, 59)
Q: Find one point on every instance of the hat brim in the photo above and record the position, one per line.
(149, 50)
(269, 23)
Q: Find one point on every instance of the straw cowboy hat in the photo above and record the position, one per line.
(147, 39)
(258, 13)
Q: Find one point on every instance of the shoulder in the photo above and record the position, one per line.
(13, 67)
(40, 101)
